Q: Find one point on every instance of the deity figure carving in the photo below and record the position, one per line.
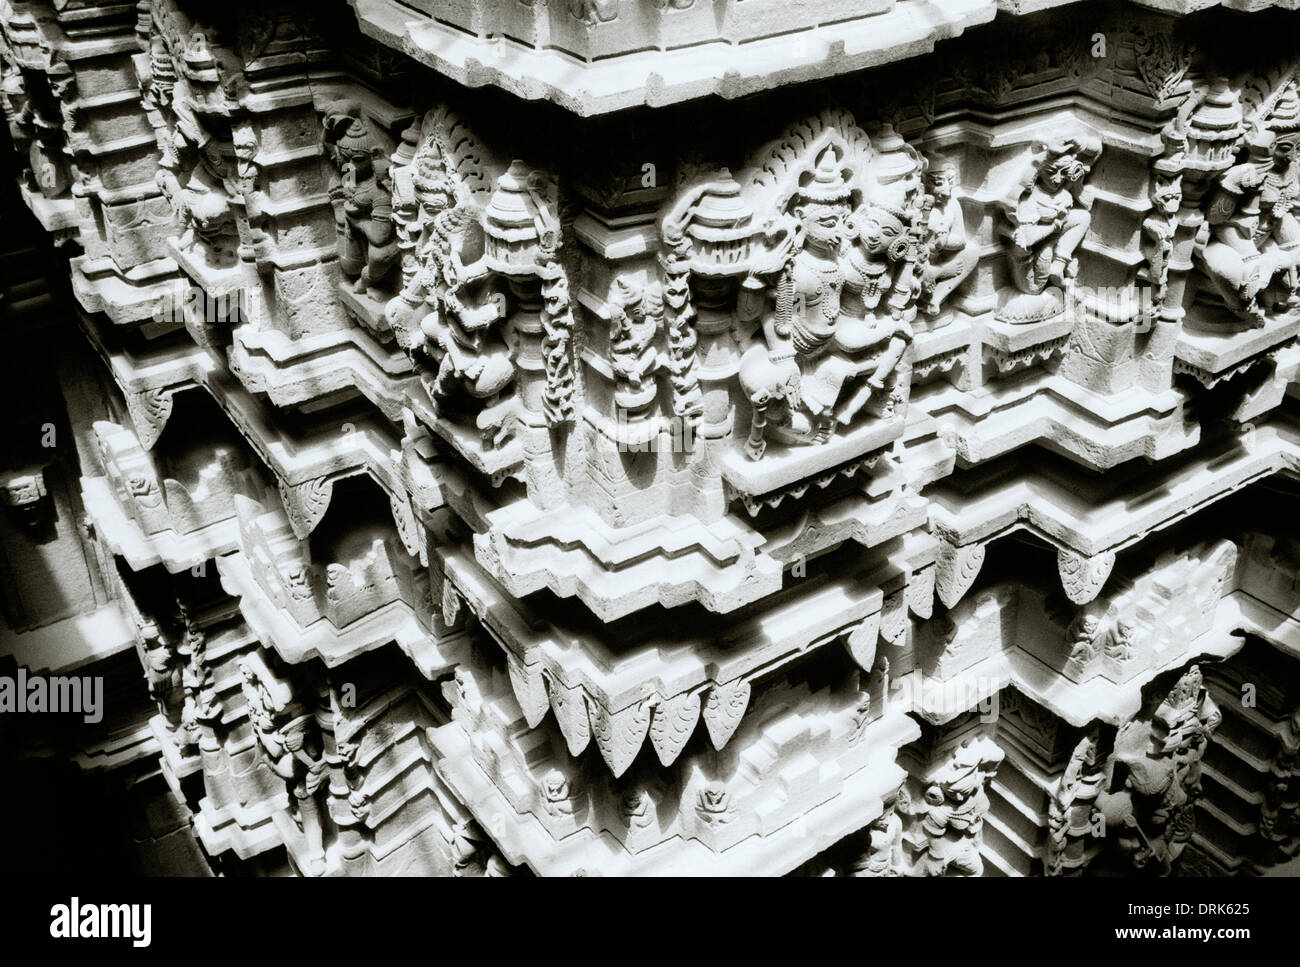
(144, 491)
(442, 232)
(1159, 228)
(844, 300)
(348, 757)
(471, 353)
(1071, 809)
(1119, 644)
(163, 673)
(1251, 237)
(951, 818)
(637, 808)
(946, 257)
(635, 317)
(199, 684)
(246, 183)
(559, 796)
(1153, 776)
(418, 200)
(713, 805)
(1082, 637)
(291, 742)
(63, 85)
(209, 218)
(363, 197)
(884, 854)
(1049, 218)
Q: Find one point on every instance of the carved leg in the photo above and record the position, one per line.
(888, 361)
(825, 427)
(849, 411)
(1064, 264)
(949, 275)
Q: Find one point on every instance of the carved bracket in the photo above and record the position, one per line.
(305, 504)
(149, 412)
(955, 570)
(1083, 577)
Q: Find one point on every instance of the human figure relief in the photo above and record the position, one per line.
(1250, 233)
(1279, 200)
(1082, 637)
(363, 198)
(1049, 219)
(634, 321)
(949, 258)
(426, 194)
(823, 332)
(163, 673)
(952, 816)
(1071, 809)
(245, 182)
(471, 352)
(1153, 776)
(291, 742)
(879, 299)
(201, 706)
(442, 230)
(884, 854)
(209, 219)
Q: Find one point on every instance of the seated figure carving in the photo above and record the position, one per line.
(1250, 237)
(947, 258)
(828, 346)
(1049, 218)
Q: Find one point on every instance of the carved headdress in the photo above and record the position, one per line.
(827, 184)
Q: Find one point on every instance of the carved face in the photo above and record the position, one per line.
(245, 147)
(635, 802)
(943, 180)
(1168, 194)
(1062, 167)
(138, 485)
(359, 164)
(823, 224)
(555, 787)
(880, 232)
(433, 194)
(713, 798)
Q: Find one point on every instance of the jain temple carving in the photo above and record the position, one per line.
(648, 437)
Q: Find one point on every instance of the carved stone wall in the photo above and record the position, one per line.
(879, 466)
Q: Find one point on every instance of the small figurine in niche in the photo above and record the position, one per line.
(634, 320)
(949, 256)
(1082, 637)
(1053, 214)
(245, 182)
(367, 235)
(210, 220)
(1049, 218)
(1159, 228)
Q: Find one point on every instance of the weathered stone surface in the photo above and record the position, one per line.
(890, 476)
